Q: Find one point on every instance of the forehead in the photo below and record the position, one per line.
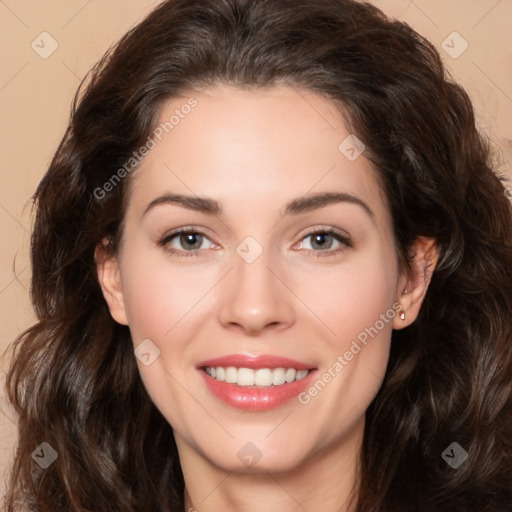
(253, 148)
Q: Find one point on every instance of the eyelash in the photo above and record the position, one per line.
(344, 240)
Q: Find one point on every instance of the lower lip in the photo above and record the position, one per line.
(256, 398)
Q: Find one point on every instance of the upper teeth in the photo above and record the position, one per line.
(260, 377)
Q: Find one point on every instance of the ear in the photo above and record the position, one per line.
(109, 277)
(412, 287)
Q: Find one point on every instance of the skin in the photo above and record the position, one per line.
(254, 151)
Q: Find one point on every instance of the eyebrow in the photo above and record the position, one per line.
(296, 206)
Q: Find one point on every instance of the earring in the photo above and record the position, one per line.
(402, 316)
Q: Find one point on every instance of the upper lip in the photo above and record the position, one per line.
(255, 362)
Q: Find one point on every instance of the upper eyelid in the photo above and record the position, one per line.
(185, 229)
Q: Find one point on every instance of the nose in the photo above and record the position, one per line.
(257, 297)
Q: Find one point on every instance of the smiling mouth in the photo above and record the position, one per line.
(260, 377)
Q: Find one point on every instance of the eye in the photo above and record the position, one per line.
(324, 239)
(185, 242)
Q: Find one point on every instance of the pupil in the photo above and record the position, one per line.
(190, 237)
(321, 236)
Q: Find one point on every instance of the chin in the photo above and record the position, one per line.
(252, 458)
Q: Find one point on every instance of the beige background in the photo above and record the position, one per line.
(36, 92)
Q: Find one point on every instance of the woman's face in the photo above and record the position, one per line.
(257, 173)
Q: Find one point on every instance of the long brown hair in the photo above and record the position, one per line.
(74, 382)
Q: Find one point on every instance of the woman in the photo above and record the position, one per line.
(272, 270)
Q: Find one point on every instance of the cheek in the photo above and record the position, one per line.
(145, 308)
(352, 297)
(355, 302)
(159, 300)
(158, 295)
(358, 310)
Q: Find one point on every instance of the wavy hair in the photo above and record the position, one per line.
(73, 379)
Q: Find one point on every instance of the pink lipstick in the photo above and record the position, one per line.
(255, 383)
